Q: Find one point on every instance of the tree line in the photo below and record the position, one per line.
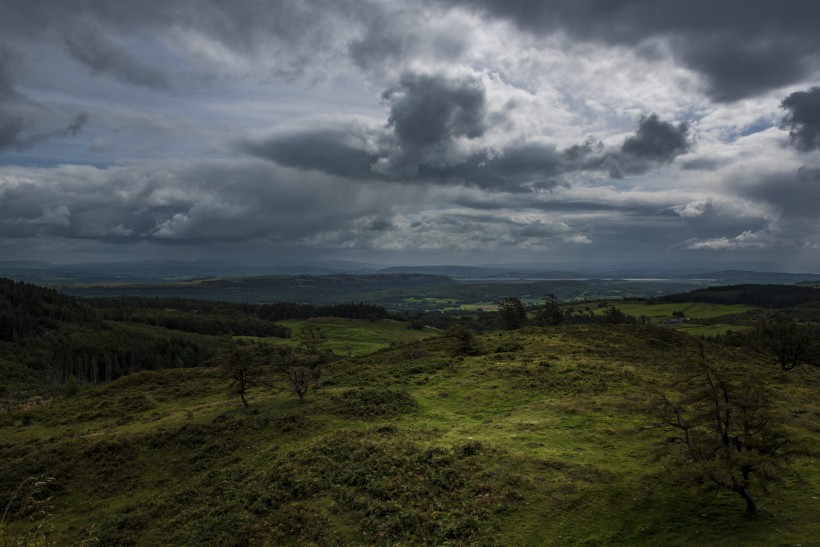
(123, 307)
(765, 296)
(50, 338)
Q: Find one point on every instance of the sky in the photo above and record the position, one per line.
(620, 132)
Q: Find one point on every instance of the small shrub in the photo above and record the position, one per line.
(509, 347)
(296, 421)
(470, 448)
(367, 402)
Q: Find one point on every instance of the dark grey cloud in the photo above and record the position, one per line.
(429, 109)
(353, 151)
(428, 112)
(428, 116)
(740, 50)
(10, 129)
(333, 149)
(789, 194)
(657, 140)
(548, 185)
(381, 225)
(298, 37)
(738, 68)
(11, 124)
(578, 152)
(518, 168)
(104, 56)
(803, 119)
(408, 150)
(809, 174)
(703, 164)
(183, 203)
(20, 126)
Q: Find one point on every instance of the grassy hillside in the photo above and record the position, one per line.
(541, 440)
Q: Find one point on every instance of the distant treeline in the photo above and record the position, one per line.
(246, 317)
(49, 337)
(27, 310)
(765, 296)
(120, 349)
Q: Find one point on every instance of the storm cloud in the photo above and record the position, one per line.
(803, 119)
(343, 149)
(657, 140)
(428, 115)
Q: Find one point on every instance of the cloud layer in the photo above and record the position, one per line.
(438, 131)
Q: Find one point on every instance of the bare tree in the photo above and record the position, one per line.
(310, 338)
(302, 370)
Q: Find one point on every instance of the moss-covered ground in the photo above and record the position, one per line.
(543, 439)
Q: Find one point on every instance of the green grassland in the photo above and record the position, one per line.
(357, 336)
(543, 439)
(701, 318)
(658, 313)
(485, 306)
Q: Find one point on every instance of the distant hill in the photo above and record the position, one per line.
(767, 296)
(326, 289)
(737, 277)
(478, 272)
(454, 271)
(166, 270)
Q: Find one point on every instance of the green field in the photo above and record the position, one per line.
(657, 313)
(721, 329)
(356, 336)
(693, 312)
(486, 306)
(543, 439)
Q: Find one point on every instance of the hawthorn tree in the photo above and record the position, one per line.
(243, 367)
(613, 315)
(512, 313)
(550, 313)
(722, 433)
(791, 343)
(464, 341)
(310, 338)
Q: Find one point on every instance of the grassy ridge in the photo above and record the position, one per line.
(542, 440)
